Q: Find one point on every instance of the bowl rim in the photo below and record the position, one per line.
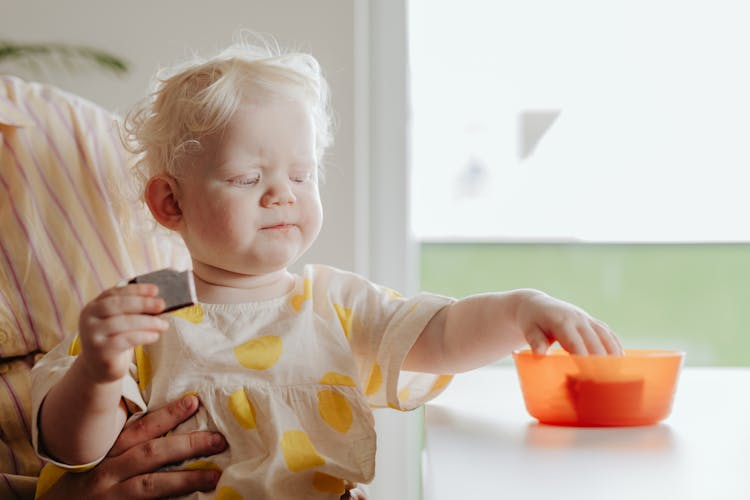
(629, 353)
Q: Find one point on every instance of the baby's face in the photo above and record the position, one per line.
(250, 202)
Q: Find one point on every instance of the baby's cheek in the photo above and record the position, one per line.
(221, 222)
(313, 217)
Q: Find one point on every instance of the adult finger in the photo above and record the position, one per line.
(167, 484)
(96, 483)
(155, 423)
(146, 457)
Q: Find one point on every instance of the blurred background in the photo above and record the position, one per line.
(594, 150)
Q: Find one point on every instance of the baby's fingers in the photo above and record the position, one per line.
(122, 341)
(591, 340)
(123, 304)
(540, 341)
(588, 338)
(118, 333)
(144, 289)
(609, 340)
(114, 326)
(571, 340)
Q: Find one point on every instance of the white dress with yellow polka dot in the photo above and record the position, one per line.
(290, 382)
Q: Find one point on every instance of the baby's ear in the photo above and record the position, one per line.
(160, 195)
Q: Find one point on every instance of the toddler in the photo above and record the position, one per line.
(287, 366)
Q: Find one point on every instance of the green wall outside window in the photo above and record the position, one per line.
(692, 297)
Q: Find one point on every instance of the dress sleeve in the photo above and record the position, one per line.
(381, 327)
(49, 370)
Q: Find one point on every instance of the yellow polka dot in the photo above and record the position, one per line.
(335, 410)
(242, 409)
(414, 308)
(375, 381)
(299, 300)
(201, 465)
(403, 395)
(75, 347)
(259, 354)
(333, 378)
(392, 293)
(143, 364)
(328, 484)
(299, 452)
(193, 313)
(48, 476)
(345, 318)
(227, 493)
(441, 382)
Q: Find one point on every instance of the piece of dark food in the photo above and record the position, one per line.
(175, 287)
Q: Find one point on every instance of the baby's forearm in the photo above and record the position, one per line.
(80, 420)
(469, 333)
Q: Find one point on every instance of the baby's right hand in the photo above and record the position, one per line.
(115, 322)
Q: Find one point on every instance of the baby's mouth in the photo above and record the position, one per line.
(280, 227)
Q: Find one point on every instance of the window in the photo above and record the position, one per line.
(597, 151)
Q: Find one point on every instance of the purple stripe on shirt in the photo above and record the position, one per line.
(11, 457)
(10, 485)
(67, 125)
(61, 209)
(95, 172)
(13, 460)
(123, 167)
(19, 289)
(45, 279)
(18, 406)
(98, 169)
(15, 318)
(47, 231)
(74, 188)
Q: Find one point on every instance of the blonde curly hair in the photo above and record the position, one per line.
(198, 98)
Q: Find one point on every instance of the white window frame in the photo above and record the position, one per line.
(384, 252)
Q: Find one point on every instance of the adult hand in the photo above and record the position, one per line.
(130, 470)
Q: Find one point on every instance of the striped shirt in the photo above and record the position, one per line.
(68, 230)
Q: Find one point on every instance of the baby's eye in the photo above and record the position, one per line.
(247, 180)
(301, 177)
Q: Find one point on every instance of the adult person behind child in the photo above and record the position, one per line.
(64, 239)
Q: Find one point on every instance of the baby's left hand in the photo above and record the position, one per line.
(544, 320)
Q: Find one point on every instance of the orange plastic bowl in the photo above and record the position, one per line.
(595, 391)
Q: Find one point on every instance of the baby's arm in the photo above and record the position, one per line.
(480, 329)
(83, 414)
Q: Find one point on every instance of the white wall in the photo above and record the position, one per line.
(362, 48)
(150, 34)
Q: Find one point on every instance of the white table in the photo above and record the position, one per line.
(481, 443)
